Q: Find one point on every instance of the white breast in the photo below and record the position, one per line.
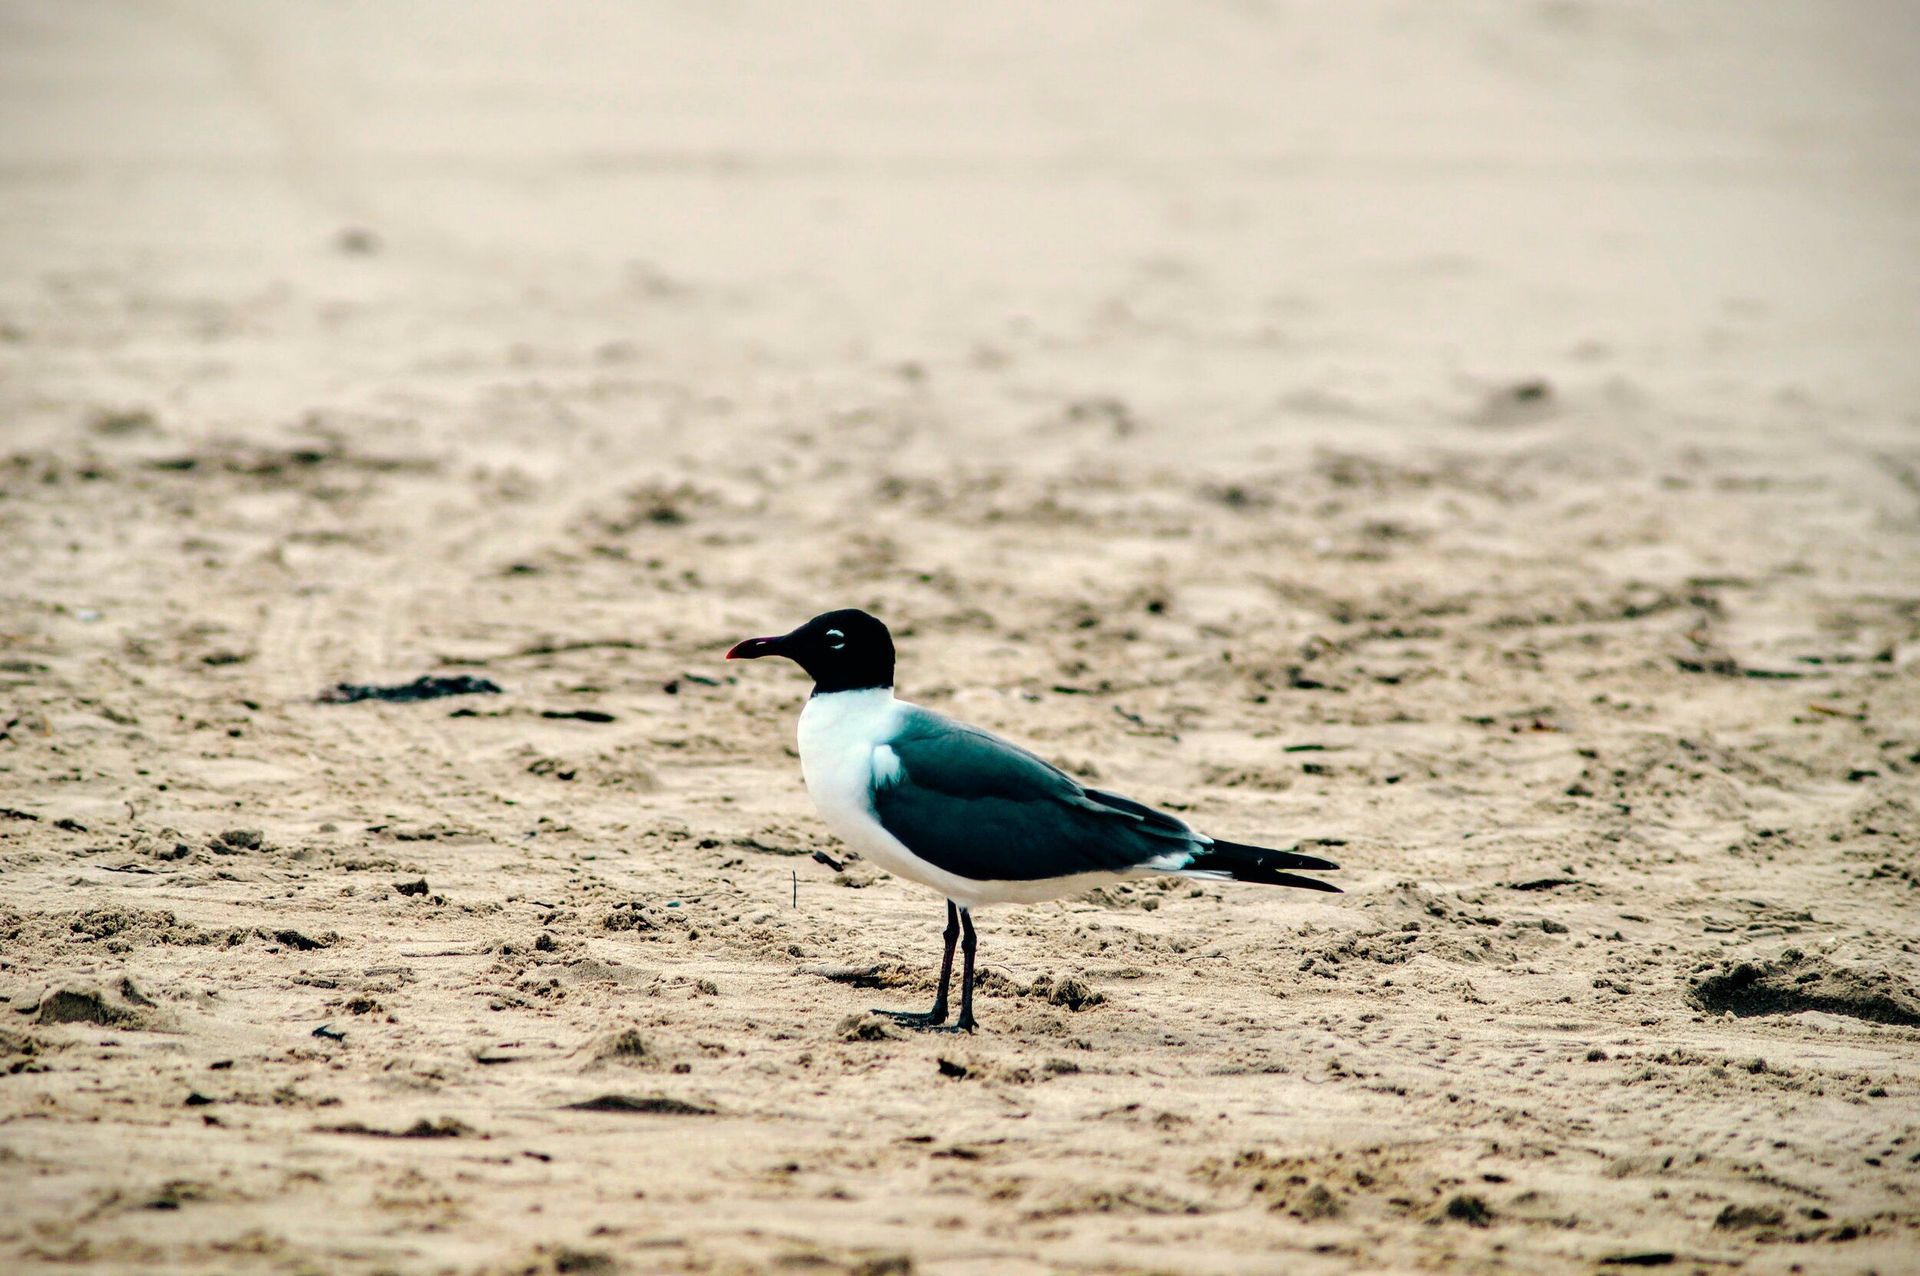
(841, 739)
(838, 737)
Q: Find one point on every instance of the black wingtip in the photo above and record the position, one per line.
(1290, 879)
(1267, 857)
(1264, 865)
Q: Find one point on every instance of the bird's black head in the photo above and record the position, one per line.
(844, 650)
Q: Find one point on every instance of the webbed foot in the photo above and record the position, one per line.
(923, 1020)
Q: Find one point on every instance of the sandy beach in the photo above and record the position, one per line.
(1477, 444)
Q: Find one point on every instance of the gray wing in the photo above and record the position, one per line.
(971, 803)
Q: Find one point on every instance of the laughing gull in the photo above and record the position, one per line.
(975, 817)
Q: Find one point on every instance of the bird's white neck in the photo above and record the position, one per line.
(836, 719)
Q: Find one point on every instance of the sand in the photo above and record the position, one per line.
(1479, 444)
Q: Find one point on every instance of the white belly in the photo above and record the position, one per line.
(839, 732)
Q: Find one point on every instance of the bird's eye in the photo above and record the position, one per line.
(839, 639)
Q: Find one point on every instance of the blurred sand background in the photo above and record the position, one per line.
(1483, 438)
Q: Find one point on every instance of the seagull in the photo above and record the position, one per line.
(973, 816)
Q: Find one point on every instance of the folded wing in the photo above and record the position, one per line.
(980, 807)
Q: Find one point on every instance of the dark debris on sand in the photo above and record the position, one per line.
(425, 687)
(648, 1105)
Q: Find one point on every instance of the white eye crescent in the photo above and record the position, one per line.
(839, 639)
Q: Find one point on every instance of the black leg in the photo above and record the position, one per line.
(938, 1015)
(968, 942)
(952, 936)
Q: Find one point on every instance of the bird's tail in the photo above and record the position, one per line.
(1242, 863)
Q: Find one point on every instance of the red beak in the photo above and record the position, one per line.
(754, 648)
